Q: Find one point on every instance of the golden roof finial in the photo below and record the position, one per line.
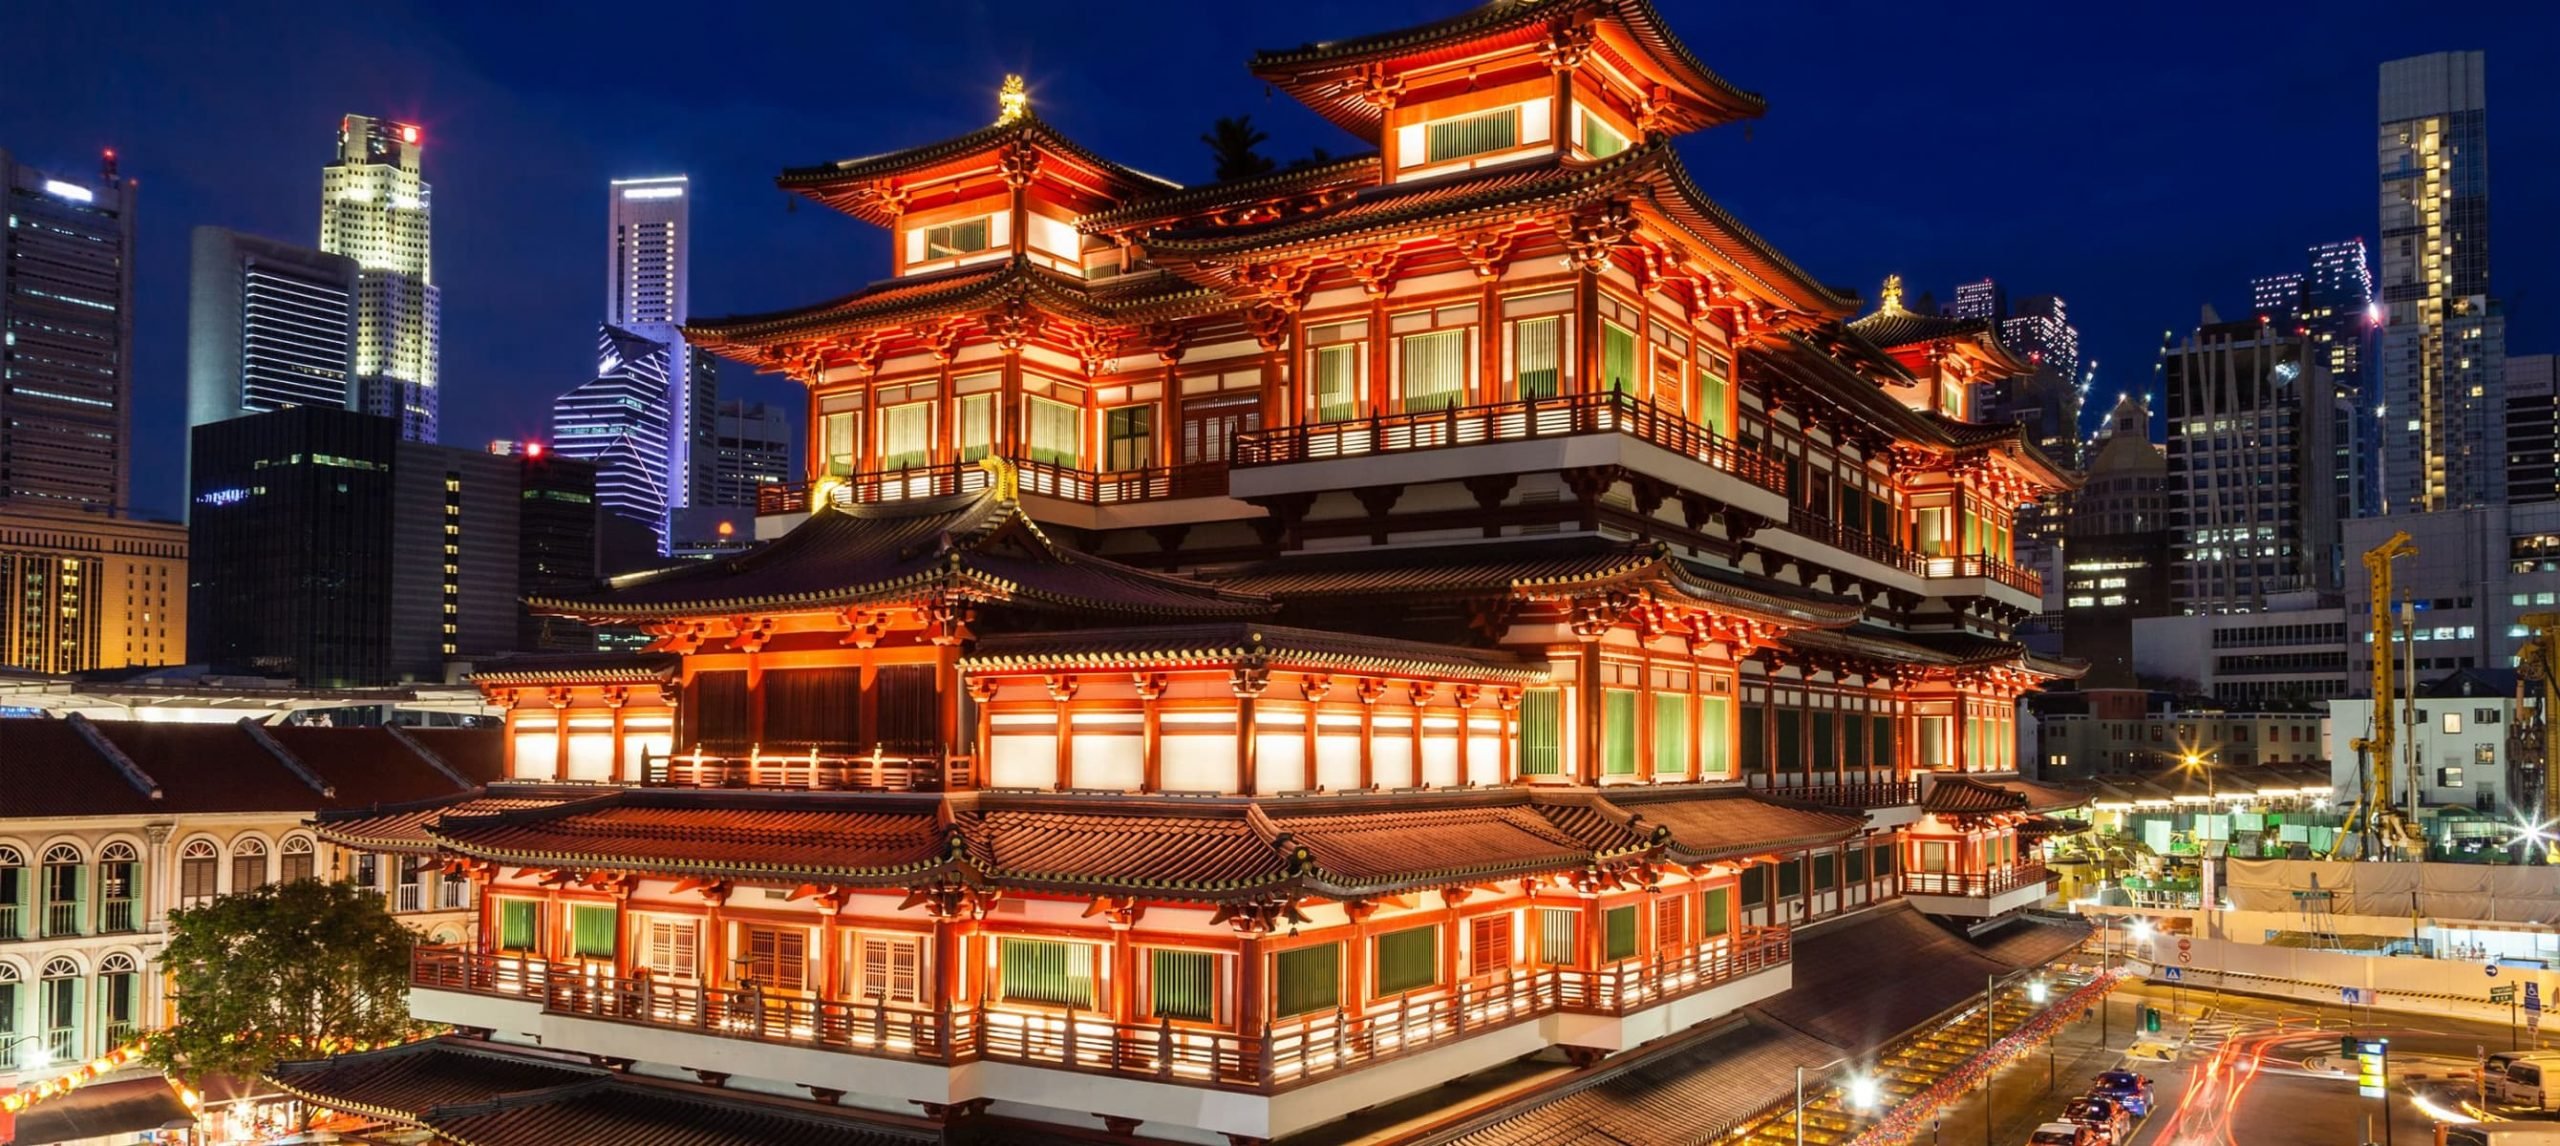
(1001, 474)
(1012, 102)
(1892, 303)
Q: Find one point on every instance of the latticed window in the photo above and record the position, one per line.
(1824, 748)
(1306, 980)
(909, 704)
(840, 433)
(889, 969)
(977, 426)
(1337, 382)
(1884, 860)
(1618, 933)
(1856, 859)
(1555, 936)
(1755, 886)
(1408, 960)
(1488, 944)
(1853, 742)
(1715, 913)
(1542, 732)
(671, 948)
(1618, 732)
(1884, 741)
(1670, 922)
(1790, 879)
(1182, 985)
(1046, 971)
(1618, 358)
(1670, 733)
(1715, 393)
(778, 956)
(297, 859)
(1790, 722)
(1056, 438)
(591, 931)
(519, 924)
(1537, 356)
(965, 237)
(248, 864)
(906, 436)
(1825, 871)
(199, 873)
(1473, 135)
(1128, 438)
(1434, 369)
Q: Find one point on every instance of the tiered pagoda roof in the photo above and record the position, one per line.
(1199, 849)
(976, 289)
(1935, 648)
(977, 546)
(1233, 641)
(869, 187)
(1325, 75)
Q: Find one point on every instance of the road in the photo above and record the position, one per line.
(2238, 1075)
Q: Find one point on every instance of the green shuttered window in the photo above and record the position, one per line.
(1619, 932)
(1434, 369)
(1617, 358)
(1408, 959)
(1542, 732)
(977, 426)
(1042, 971)
(1719, 911)
(519, 924)
(1618, 732)
(1670, 734)
(591, 931)
(1473, 135)
(1338, 382)
(1184, 985)
(906, 436)
(1715, 723)
(1055, 436)
(1537, 349)
(1307, 979)
(1715, 373)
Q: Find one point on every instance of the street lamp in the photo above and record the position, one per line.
(1861, 1092)
(36, 1061)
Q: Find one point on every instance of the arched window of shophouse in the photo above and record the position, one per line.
(297, 858)
(119, 1001)
(248, 864)
(62, 890)
(119, 876)
(59, 997)
(199, 873)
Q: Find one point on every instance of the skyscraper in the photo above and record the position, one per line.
(2443, 343)
(2533, 428)
(647, 263)
(2116, 543)
(66, 337)
(269, 325)
(752, 450)
(2277, 297)
(2337, 310)
(1984, 300)
(375, 209)
(2254, 465)
(619, 421)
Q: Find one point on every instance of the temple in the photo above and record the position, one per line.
(1253, 652)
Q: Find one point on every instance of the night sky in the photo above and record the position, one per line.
(2139, 160)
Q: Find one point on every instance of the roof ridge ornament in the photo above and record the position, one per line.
(1003, 479)
(1892, 300)
(1013, 102)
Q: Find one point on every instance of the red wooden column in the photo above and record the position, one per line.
(1586, 770)
(1151, 688)
(715, 937)
(1062, 694)
(1248, 681)
(1419, 693)
(1369, 690)
(560, 733)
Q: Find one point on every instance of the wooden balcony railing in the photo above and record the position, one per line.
(9, 922)
(1853, 794)
(115, 915)
(1974, 884)
(1281, 1055)
(61, 919)
(1207, 479)
(1523, 420)
(1984, 565)
(1812, 526)
(827, 768)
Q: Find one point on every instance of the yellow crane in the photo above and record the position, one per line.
(2377, 750)
(2539, 662)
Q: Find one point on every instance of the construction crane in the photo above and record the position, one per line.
(2538, 663)
(2377, 749)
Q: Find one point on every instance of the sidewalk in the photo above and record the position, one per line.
(2020, 1097)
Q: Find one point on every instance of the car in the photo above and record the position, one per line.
(2106, 1115)
(2063, 1134)
(2131, 1090)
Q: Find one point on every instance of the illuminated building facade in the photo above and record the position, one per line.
(269, 325)
(2116, 547)
(648, 294)
(87, 591)
(2533, 428)
(2443, 343)
(620, 423)
(375, 208)
(66, 337)
(1251, 652)
(751, 450)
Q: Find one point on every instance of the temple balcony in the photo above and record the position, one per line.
(1528, 435)
(812, 767)
(1976, 575)
(1284, 1077)
(1070, 496)
(1976, 894)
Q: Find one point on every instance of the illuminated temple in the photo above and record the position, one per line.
(1254, 652)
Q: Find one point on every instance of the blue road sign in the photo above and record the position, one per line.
(2174, 974)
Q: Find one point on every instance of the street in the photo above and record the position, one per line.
(2237, 1075)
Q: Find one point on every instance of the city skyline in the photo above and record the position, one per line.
(518, 146)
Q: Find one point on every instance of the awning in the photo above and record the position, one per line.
(100, 1109)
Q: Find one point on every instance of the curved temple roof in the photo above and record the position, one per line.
(1204, 849)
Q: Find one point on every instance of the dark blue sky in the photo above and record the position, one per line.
(2138, 159)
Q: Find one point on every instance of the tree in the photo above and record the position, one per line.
(290, 970)
(1231, 143)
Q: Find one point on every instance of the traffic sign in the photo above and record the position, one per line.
(2353, 995)
(2371, 1072)
(2173, 974)
(2506, 994)
(2533, 996)
(2491, 970)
